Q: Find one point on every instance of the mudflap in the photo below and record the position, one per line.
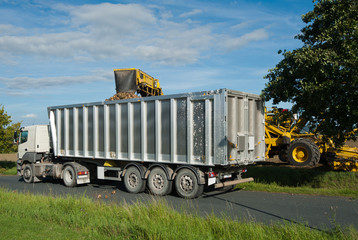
(19, 167)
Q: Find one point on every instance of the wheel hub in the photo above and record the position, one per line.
(133, 180)
(158, 181)
(69, 176)
(186, 184)
(27, 174)
(300, 154)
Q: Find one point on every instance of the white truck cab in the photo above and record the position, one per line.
(35, 160)
(33, 142)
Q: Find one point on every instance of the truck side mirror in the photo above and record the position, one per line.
(15, 137)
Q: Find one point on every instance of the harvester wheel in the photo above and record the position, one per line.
(317, 152)
(282, 155)
(303, 152)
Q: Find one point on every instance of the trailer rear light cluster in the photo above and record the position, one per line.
(82, 173)
(212, 174)
(244, 170)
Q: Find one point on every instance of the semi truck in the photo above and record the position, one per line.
(186, 141)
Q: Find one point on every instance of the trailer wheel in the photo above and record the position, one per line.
(133, 180)
(69, 176)
(158, 182)
(28, 174)
(187, 185)
(303, 152)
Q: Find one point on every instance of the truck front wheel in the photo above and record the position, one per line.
(133, 180)
(187, 185)
(28, 174)
(69, 176)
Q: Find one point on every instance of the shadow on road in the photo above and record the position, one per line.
(217, 195)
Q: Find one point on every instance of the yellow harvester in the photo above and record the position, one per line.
(285, 137)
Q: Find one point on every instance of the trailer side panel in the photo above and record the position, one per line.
(221, 127)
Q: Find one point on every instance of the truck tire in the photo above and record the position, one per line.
(303, 152)
(158, 182)
(133, 180)
(187, 185)
(28, 174)
(69, 176)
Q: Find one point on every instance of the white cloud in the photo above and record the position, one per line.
(31, 83)
(8, 29)
(30, 115)
(6, 58)
(191, 13)
(236, 43)
(117, 18)
(242, 25)
(120, 32)
(114, 31)
(12, 92)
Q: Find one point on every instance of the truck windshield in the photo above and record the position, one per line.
(23, 137)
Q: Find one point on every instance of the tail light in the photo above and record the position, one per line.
(82, 173)
(212, 174)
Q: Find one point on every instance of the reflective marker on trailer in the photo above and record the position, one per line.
(212, 178)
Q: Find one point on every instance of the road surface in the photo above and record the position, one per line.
(316, 212)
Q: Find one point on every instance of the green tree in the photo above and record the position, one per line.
(7, 129)
(320, 79)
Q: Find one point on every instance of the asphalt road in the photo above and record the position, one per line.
(316, 212)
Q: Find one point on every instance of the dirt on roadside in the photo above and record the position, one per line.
(11, 157)
(352, 143)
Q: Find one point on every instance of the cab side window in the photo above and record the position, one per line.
(23, 137)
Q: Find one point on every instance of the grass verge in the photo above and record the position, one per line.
(314, 181)
(42, 217)
(8, 168)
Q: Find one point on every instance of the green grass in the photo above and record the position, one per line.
(8, 168)
(43, 217)
(313, 181)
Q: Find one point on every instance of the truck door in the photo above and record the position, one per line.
(25, 143)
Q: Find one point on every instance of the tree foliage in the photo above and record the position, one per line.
(7, 129)
(320, 78)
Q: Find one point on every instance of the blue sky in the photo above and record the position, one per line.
(64, 52)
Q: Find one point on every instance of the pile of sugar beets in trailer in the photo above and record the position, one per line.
(183, 141)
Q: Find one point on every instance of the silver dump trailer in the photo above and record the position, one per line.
(187, 140)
